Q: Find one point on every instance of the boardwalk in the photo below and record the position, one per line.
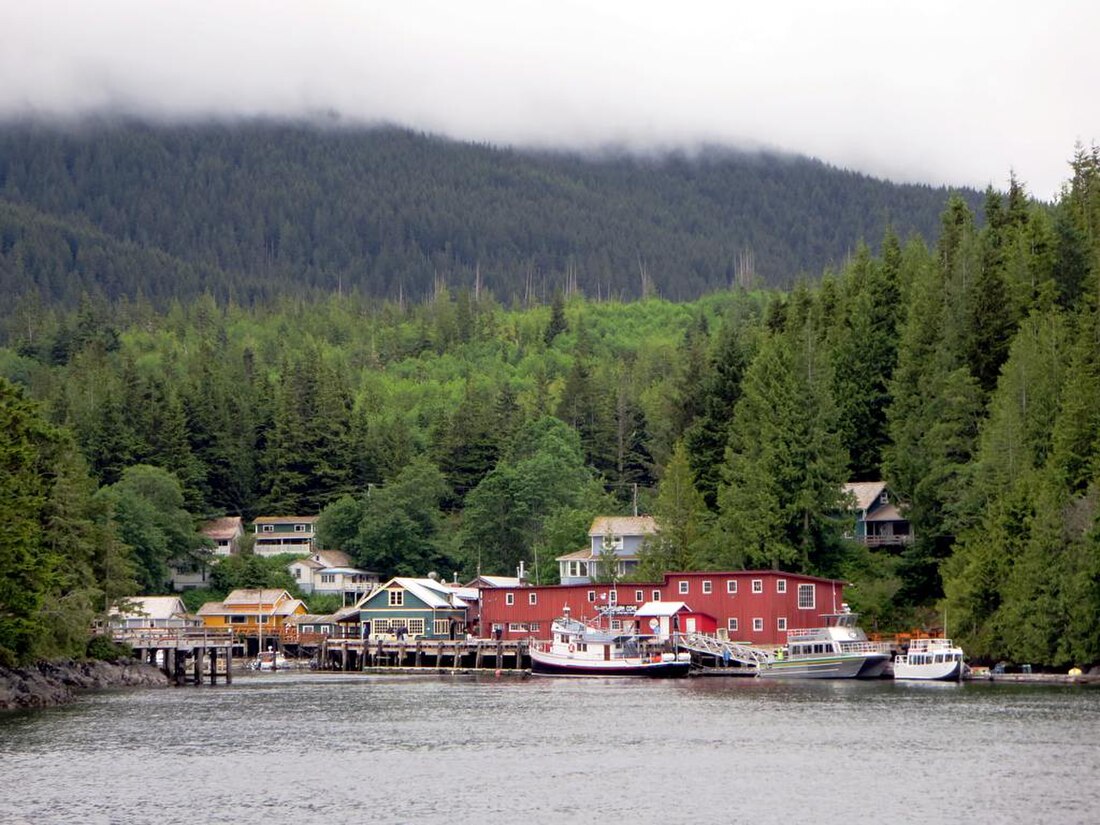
(173, 646)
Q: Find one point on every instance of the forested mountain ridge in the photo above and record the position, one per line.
(254, 209)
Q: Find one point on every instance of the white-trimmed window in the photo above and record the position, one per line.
(612, 542)
(684, 586)
(613, 597)
(592, 595)
(441, 627)
(731, 587)
(269, 528)
(731, 625)
(806, 599)
(757, 585)
(397, 598)
(532, 598)
(380, 626)
(639, 596)
(757, 625)
(299, 528)
(707, 586)
(416, 627)
(780, 585)
(517, 627)
(884, 497)
(509, 599)
(781, 623)
(533, 627)
(656, 595)
(616, 624)
(326, 578)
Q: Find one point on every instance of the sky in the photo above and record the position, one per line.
(955, 93)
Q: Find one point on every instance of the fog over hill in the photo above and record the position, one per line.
(250, 209)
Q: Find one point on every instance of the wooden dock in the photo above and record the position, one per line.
(174, 646)
(389, 655)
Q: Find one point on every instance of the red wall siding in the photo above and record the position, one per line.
(769, 606)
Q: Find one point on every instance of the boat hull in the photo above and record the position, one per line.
(863, 666)
(549, 664)
(935, 672)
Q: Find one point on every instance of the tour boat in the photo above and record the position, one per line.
(936, 660)
(837, 650)
(578, 649)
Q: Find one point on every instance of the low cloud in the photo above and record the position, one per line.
(936, 92)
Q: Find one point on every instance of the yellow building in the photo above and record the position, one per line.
(248, 612)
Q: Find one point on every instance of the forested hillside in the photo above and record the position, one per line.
(460, 433)
(259, 209)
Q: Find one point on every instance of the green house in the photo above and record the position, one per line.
(413, 608)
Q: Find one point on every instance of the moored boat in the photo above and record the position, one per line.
(935, 660)
(578, 649)
(839, 649)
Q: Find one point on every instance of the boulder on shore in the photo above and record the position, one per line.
(47, 684)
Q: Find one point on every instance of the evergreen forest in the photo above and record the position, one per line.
(255, 210)
(480, 426)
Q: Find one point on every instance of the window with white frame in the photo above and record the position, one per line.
(781, 623)
(415, 627)
(780, 585)
(299, 528)
(441, 627)
(269, 528)
(613, 597)
(612, 542)
(731, 587)
(532, 598)
(380, 626)
(509, 599)
(884, 497)
(639, 597)
(707, 586)
(592, 595)
(757, 585)
(757, 625)
(656, 595)
(517, 627)
(397, 598)
(806, 597)
(328, 578)
(616, 624)
(731, 624)
(684, 588)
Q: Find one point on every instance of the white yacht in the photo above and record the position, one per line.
(936, 660)
(839, 649)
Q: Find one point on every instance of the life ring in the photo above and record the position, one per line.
(572, 648)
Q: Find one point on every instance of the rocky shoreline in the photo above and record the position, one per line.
(48, 684)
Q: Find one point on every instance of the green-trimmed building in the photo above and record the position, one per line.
(424, 608)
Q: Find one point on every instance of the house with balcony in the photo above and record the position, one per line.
(253, 612)
(275, 535)
(224, 539)
(331, 573)
(620, 537)
(879, 519)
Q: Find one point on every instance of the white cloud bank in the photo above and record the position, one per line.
(937, 92)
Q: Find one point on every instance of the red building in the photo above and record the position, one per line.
(753, 606)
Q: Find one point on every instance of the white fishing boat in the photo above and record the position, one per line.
(271, 660)
(932, 660)
(579, 649)
(839, 649)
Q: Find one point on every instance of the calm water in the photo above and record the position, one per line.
(305, 748)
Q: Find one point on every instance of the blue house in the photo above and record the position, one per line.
(413, 608)
(879, 521)
(621, 535)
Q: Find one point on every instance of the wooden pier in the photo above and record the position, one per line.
(428, 654)
(174, 646)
